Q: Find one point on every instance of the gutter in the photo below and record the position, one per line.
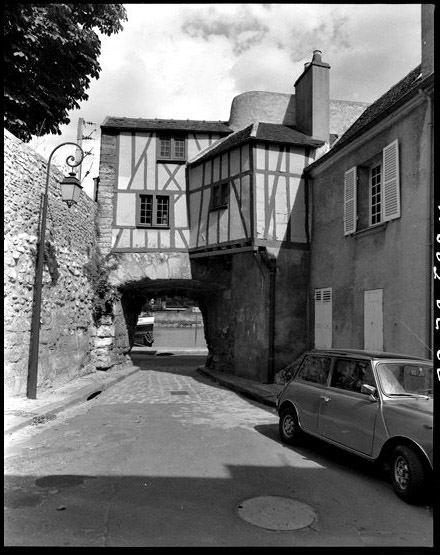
(270, 262)
(430, 289)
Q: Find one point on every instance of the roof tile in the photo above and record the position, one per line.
(111, 122)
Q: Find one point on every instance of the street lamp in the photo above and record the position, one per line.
(70, 190)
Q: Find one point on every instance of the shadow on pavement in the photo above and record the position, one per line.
(330, 456)
(140, 509)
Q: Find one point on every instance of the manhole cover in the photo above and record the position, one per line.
(276, 513)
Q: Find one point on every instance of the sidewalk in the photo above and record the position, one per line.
(263, 393)
(20, 411)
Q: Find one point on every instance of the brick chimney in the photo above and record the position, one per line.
(312, 92)
(427, 39)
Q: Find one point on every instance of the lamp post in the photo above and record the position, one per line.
(70, 190)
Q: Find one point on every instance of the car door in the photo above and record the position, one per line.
(307, 388)
(346, 415)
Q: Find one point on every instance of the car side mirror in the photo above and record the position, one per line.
(370, 391)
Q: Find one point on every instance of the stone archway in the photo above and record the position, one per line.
(139, 276)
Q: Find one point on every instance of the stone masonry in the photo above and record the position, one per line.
(67, 333)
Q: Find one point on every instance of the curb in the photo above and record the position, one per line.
(245, 390)
(79, 396)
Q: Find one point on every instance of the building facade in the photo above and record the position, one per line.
(218, 212)
(372, 224)
(299, 222)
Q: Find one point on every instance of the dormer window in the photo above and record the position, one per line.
(171, 148)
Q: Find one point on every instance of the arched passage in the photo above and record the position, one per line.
(136, 277)
(135, 296)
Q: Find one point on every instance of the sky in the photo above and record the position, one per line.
(188, 61)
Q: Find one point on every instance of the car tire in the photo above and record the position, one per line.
(289, 427)
(407, 474)
(148, 341)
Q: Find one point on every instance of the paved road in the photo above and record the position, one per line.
(166, 457)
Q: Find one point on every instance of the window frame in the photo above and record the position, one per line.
(356, 214)
(155, 195)
(174, 141)
(323, 360)
(221, 200)
(371, 194)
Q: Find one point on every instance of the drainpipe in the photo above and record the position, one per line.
(430, 292)
(307, 225)
(271, 263)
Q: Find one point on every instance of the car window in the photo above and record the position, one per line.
(399, 378)
(351, 375)
(314, 369)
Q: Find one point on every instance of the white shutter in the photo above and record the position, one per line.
(391, 185)
(323, 318)
(373, 320)
(350, 201)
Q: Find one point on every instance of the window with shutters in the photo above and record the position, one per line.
(372, 191)
(171, 148)
(152, 210)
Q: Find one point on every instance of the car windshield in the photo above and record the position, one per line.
(402, 378)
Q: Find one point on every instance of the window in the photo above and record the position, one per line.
(351, 375)
(153, 210)
(220, 196)
(171, 148)
(372, 191)
(314, 369)
(376, 194)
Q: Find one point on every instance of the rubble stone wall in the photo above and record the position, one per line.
(67, 334)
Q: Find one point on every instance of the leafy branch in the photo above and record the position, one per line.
(97, 271)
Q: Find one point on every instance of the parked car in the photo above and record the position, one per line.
(376, 405)
(144, 333)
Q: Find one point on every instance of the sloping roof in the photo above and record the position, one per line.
(165, 125)
(224, 144)
(383, 103)
(259, 131)
(379, 109)
(275, 133)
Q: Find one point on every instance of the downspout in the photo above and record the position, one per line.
(271, 264)
(307, 226)
(271, 356)
(430, 288)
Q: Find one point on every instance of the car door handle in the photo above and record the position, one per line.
(324, 398)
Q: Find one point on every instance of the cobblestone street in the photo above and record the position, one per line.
(167, 457)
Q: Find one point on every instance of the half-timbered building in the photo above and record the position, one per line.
(218, 211)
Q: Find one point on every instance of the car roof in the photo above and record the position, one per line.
(367, 354)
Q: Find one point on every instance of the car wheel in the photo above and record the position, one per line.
(289, 428)
(148, 341)
(407, 474)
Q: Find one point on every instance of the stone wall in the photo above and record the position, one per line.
(67, 334)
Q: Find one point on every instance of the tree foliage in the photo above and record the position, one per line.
(51, 53)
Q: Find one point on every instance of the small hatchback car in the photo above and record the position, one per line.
(376, 405)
